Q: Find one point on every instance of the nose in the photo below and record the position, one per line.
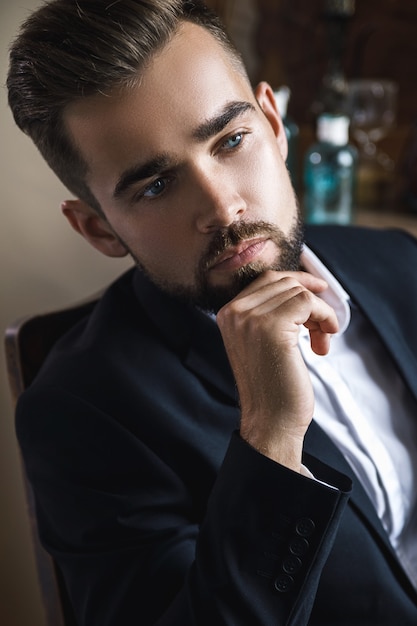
(219, 201)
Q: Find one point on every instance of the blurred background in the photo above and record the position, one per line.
(315, 48)
(43, 265)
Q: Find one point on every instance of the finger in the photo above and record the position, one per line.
(320, 341)
(321, 328)
(289, 298)
(310, 282)
(270, 290)
(313, 283)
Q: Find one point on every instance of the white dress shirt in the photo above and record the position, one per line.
(364, 406)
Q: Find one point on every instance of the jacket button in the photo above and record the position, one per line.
(283, 583)
(299, 546)
(291, 565)
(305, 527)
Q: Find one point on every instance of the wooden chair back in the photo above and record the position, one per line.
(27, 343)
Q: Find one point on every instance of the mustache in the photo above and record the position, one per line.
(234, 234)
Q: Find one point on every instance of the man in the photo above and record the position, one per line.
(179, 475)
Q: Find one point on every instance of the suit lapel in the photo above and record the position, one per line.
(380, 288)
(193, 335)
(377, 289)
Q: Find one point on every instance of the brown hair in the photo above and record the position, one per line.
(71, 49)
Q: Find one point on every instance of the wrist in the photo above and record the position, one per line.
(285, 448)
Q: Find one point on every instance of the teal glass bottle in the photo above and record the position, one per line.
(330, 173)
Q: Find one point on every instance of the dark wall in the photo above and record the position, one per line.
(290, 41)
(381, 41)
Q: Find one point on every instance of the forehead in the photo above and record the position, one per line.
(188, 81)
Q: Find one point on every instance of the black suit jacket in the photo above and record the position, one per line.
(154, 508)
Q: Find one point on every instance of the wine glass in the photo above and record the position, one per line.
(371, 105)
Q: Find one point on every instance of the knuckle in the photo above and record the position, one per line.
(305, 297)
(228, 313)
(290, 282)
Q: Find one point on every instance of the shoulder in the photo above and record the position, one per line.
(332, 236)
(93, 355)
(360, 250)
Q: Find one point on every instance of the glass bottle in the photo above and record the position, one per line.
(330, 173)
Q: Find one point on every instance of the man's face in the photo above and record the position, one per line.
(189, 169)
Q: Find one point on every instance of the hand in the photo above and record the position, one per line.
(260, 332)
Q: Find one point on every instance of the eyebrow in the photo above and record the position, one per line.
(209, 128)
(216, 124)
(141, 172)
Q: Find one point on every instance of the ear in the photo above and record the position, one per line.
(93, 227)
(266, 99)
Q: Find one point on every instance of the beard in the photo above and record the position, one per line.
(211, 298)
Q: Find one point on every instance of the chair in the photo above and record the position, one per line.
(27, 343)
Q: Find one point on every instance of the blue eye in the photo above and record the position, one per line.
(155, 189)
(234, 141)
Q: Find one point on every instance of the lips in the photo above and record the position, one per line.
(239, 255)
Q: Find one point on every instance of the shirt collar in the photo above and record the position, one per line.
(334, 295)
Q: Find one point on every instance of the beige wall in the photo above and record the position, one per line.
(43, 264)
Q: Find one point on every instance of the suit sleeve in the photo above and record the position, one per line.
(123, 528)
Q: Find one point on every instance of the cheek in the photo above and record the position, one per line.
(149, 240)
(267, 177)
(162, 245)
